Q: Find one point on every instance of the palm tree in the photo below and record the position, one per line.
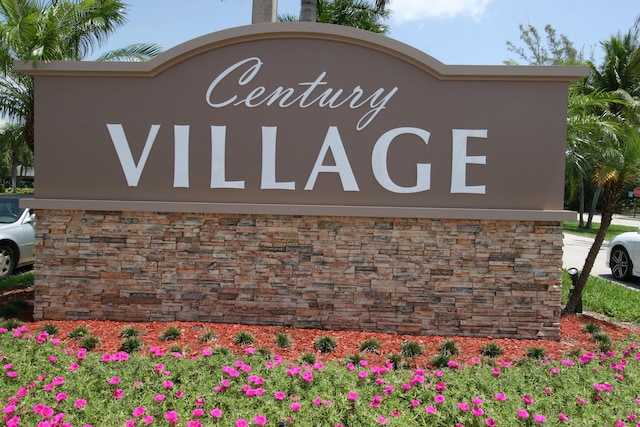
(39, 30)
(351, 13)
(614, 153)
(14, 151)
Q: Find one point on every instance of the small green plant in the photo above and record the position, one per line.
(244, 338)
(283, 340)
(171, 333)
(128, 332)
(449, 347)
(207, 336)
(370, 345)
(263, 352)
(354, 358)
(10, 324)
(325, 344)
(131, 345)
(440, 360)
(491, 350)
(79, 332)
(90, 342)
(411, 349)
(396, 360)
(177, 348)
(308, 358)
(222, 351)
(50, 328)
(591, 328)
(603, 340)
(536, 353)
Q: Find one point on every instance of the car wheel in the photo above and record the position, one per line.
(7, 261)
(620, 264)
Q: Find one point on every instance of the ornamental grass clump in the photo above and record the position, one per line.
(325, 344)
(79, 332)
(491, 350)
(440, 360)
(449, 347)
(411, 349)
(10, 324)
(128, 332)
(89, 342)
(591, 328)
(536, 353)
(171, 333)
(370, 345)
(131, 344)
(244, 338)
(50, 328)
(283, 340)
(207, 336)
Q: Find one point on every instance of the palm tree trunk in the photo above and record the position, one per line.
(308, 10)
(264, 11)
(581, 201)
(14, 170)
(611, 196)
(594, 204)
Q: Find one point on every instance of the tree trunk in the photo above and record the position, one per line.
(14, 170)
(581, 201)
(264, 11)
(594, 204)
(308, 10)
(611, 196)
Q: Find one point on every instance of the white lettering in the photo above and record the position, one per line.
(460, 160)
(181, 156)
(379, 162)
(285, 97)
(268, 181)
(333, 142)
(132, 171)
(218, 158)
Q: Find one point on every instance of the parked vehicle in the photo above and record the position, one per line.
(623, 255)
(17, 236)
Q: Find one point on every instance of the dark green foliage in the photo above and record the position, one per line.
(449, 347)
(50, 328)
(591, 328)
(131, 345)
(491, 350)
(308, 358)
(10, 324)
(129, 332)
(440, 360)
(411, 349)
(536, 353)
(171, 333)
(325, 344)
(89, 342)
(370, 345)
(283, 340)
(207, 335)
(79, 332)
(244, 338)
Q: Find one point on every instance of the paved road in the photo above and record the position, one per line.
(576, 249)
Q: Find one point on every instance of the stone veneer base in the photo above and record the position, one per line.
(397, 275)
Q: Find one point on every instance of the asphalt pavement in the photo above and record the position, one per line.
(576, 248)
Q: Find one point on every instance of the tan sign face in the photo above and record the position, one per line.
(268, 115)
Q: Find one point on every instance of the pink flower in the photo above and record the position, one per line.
(317, 401)
(194, 424)
(159, 397)
(463, 406)
(563, 417)
(198, 412)
(352, 395)
(171, 417)
(477, 412)
(490, 422)
(523, 413)
(620, 423)
(295, 406)
(260, 420)
(139, 411)
(439, 398)
(240, 422)
(118, 393)
(61, 396)
(415, 403)
(216, 413)
(477, 401)
(80, 403)
(382, 420)
(279, 395)
(539, 418)
(526, 399)
(430, 409)
(114, 380)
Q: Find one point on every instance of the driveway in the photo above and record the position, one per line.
(576, 249)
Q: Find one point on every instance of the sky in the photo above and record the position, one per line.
(456, 32)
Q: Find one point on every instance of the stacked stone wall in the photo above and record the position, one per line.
(399, 275)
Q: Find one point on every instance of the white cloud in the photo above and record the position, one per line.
(413, 10)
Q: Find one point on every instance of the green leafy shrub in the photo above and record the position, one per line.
(440, 360)
(244, 338)
(591, 328)
(283, 340)
(396, 360)
(129, 332)
(354, 358)
(131, 344)
(90, 342)
(50, 328)
(325, 344)
(171, 333)
(308, 358)
(207, 336)
(10, 324)
(370, 345)
(411, 349)
(14, 308)
(491, 349)
(536, 353)
(79, 332)
(449, 347)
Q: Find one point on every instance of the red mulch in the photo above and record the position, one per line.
(572, 337)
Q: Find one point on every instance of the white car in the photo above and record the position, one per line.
(17, 236)
(623, 255)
